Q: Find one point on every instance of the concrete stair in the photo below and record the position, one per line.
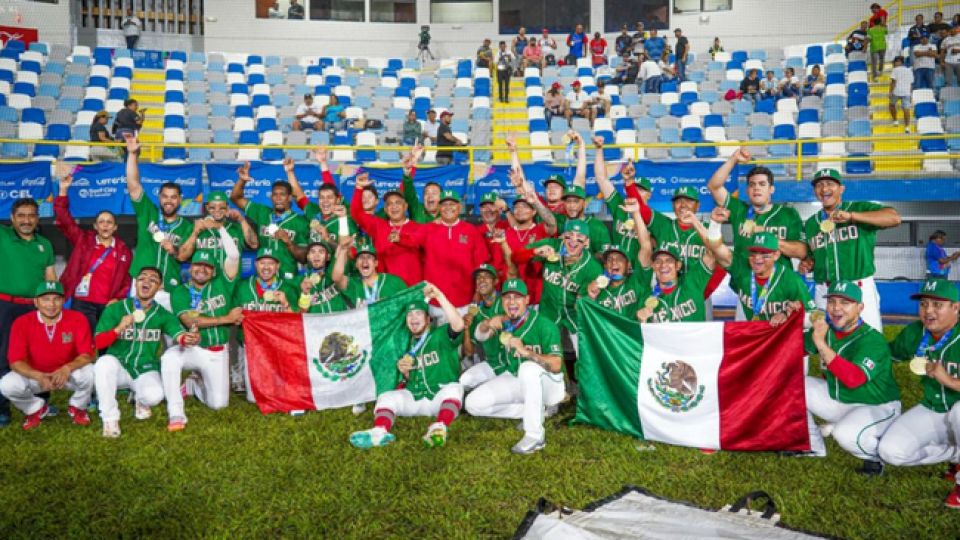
(147, 87)
(510, 118)
(883, 126)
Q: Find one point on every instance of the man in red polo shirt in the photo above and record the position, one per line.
(524, 231)
(49, 350)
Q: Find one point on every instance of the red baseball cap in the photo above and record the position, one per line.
(555, 85)
(575, 83)
(446, 113)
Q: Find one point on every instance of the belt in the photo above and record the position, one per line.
(216, 348)
(16, 299)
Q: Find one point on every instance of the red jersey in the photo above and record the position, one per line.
(597, 49)
(101, 282)
(392, 258)
(67, 339)
(496, 252)
(450, 255)
(529, 271)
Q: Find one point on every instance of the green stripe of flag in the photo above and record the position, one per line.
(389, 335)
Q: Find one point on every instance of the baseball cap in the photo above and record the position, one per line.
(202, 256)
(556, 85)
(577, 226)
(395, 191)
(940, 289)
(267, 252)
(611, 248)
(485, 267)
(575, 83)
(215, 196)
(418, 305)
(515, 286)
(764, 242)
(670, 249)
(686, 192)
(324, 245)
(489, 198)
(555, 178)
(846, 289)
(449, 195)
(49, 287)
(644, 183)
(446, 113)
(366, 247)
(827, 174)
(574, 191)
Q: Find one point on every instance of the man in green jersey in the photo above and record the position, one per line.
(841, 238)
(625, 280)
(575, 202)
(318, 292)
(328, 216)
(205, 304)
(930, 432)
(205, 236)
(159, 232)
(368, 286)
(531, 354)
(279, 228)
(131, 331)
(857, 395)
(487, 303)
(429, 372)
(624, 232)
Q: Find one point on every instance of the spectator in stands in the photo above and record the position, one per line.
(901, 83)
(917, 31)
(308, 115)
(878, 15)
(938, 262)
(650, 74)
(484, 55)
(132, 27)
(99, 133)
(295, 11)
(857, 40)
(750, 87)
(577, 41)
(624, 41)
(937, 27)
(518, 44)
(769, 86)
(548, 46)
(505, 63)
(924, 62)
(333, 114)
(627, 70)
(532, 55)
(412, 130)
(814, 84)
(598, 50)
(667, 70)
(639, 39)
(601, 101)
(654, 45)
(554, 104)
(129, 120)
(445, 138)
(789, 84)
(878, 48)
(681, 50)
(950, 57)
(955, 21)
(430, 128)
(715, 48)
(273, 12)
(578, 104)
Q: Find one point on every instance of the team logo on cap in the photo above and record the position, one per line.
(675, 386)
(930, 286)
(340, 357)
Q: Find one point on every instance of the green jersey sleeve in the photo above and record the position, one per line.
(110, 318)
(169, 323)
(257, 213)
(866, 206)
(904, 346)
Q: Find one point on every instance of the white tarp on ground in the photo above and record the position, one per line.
(634, 514)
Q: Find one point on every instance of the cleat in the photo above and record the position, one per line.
(528, 445)
(953, 499)
(436, 435)
(79, 416)
(359, 409)
(177, 423)
(371, 438)
(33, 420)
(142, 412)
(871, 468)
(94, 403)
(111, 430)
(708, 451)
(952, 472)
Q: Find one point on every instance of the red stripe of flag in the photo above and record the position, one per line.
(276, 360)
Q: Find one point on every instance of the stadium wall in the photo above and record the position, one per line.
(54, 21)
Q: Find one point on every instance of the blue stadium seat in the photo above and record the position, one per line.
(833, 102)
(256, 78)
(55, 132)
(174, 75)
(535, 101)
(266, 124)
(807, 115)
(743, 106)
(24, 88)
(178, 153)
(856, 65)
(692, 135)
(259, 100)
(832, 115)
(31, 65)
(173, 96)
(921, 110)
(33, 114)
(243, 111)
(739, 56)
(95, 105)
(835, 78)
(657, 110)
(239, 88)
(814, 55)
(669, 135)
(859, 128)
(951, 108)
(623, 123)
(679, 110)
(538, 124)
(713, 120)
(669, 86)
(174, 121)
(220, 110)
(836, 69)
(760, 133)
(234, 67)
(688, 97)
(784, 131)
(223, 136)
(178, 55)
(857, 166)
(933, 145)
(198, 121)
(736, 120)
(766, 105)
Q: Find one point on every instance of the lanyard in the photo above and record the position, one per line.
(759, 300)
(511, 325)
(196, 296)
(372, 294)
(167, 227)
(99, 261)
(419, 345)
(277, 220)
(925, 347)
(51, 331)
(265, 287)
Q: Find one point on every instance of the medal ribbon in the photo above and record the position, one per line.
(419, 345)
(196, 296)
(511, 326)
(372, 294)
(277, 220)
(167, 227)
(925, 347)
(96, 264)
(758, 301)
(264, 287)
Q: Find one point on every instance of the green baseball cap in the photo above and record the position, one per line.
(49, 287)
(610, 248)
(267, 252)
(321, 243)
(449, 195)
(555, 178)
(215, 196)
(764, 242)
(366, 247)
(515, 286)
(202, 256)
(489, 198)
(574, 191)
(485, 267)
(418, 305)
(670, 249)
(846, 289)
(577, 226)
(686, 192)
(940, 289)
(827, 174)
(644, 183)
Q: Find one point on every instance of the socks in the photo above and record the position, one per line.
(449, 410)
(383, 418)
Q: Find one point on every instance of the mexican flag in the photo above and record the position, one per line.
(305, 362)
(716, 385)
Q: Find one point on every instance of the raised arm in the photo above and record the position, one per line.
(717, 182)
(546, 216)
(320, 154)
(580, 178)
(600, 169)
(61, 210)
(236, 194)
(296, 189)
(883, 218)
(717, 251)
(365, 221)
(134, 187)
(338, 275)
(432, 292)
(645, 255)
(189, 245)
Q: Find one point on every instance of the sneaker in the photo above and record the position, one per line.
(797, 453)
(953, 499)
(436, 435)
(177, 423)
(111, 430)
(33, 420)
(359, 409)
(826, 430)
(141, 411)
(871, 468)
(79, 416)
(896, 122)
(952, 472)
(371, 437)
(528, 445)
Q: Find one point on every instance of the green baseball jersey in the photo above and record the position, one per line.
(417, 212)
(780, 220)
(247, 296)
(209, 240)
(386, 285)
(599, 235)
(936, 397)
(490, 349)
(325, 296)
(625, 298)
(685, 302)
(783, 287)
(332, 225)
(846, 253)
(667, 231)
(563, 283)
(865, 348)
(435, 363)
(27, 261)
(214, 299)
(296, 226)
(625, 237)
(149, 252)
(138, 347)
(538, 334)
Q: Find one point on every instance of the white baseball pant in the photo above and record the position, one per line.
(22, 391)
(110, 375)
(871, 301)
(857, 428)
(477, 375)
(923, 437)
(214, 368)
(402, 403)
(522, 396)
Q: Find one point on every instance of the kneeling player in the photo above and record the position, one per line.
(858, 395)
(429, 370)
(488, 304)
(533, 379)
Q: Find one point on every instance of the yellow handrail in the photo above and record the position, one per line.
(900, 9)
(842, 36)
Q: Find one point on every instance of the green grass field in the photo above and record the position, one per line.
(236, 473)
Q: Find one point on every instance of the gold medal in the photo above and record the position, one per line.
(817, 315)
(651, 302)
(553, 258)
(268, 296)
(629, 224)
(827, 226)
(505, 338)
(411, 359)
(139, 316)
(603, 281)
(272, 229)
(473, 310)
(192, 314)
(749, 226)
(918, 365)
(305, 301)
(159, 237)
(314, 279)
(315, 225)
